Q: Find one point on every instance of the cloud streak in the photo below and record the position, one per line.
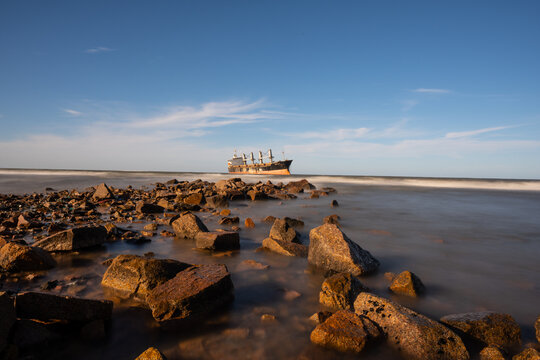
(431, 91)
(72, 112)
(99, 49)
(461, 134)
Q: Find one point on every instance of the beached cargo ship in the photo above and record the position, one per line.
(239, 165)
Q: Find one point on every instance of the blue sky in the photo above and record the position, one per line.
(419, 88)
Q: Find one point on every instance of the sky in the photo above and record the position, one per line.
(389, 88)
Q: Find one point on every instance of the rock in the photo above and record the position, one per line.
(217, 201)
(269, 219)
(147, 208)
(414, 335)
(225, 212)
(251, 265)
(248, 223)
(299, 186)
(345, 331)
(102, 192)
(229, 220)
(93, 330)
(491, 353)
(7, 311)
(15, 257)
(40, 306)
(188, 225)
(191, 293)
(527, 354)
(134, 276)
(330, 249)
(31, 335)
(151, 354)
(340, 290)
(74, 239)
(256, 195)
(295, 223)
(268, 318)
(285, 247)
(164, 203)
(225, 240)
(321, 316)
(488, 327)
(407, 283)
(150, 227)
(331, 219)
(537, 328)
(281, 230)
(194, 199)
(334, 203)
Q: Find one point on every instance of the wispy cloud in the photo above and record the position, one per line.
(431, 91)
(72, 112)
(408, 104)
(460, 134)
(98, 49)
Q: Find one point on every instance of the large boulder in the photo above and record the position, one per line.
(134, 276)
(331, 250)
(7, 311)
(488, 327)
(217, 201)
(345, 331)
(340, 290)
(151, 354)
(285, 247)
(412, 334)
(218, 240)
(74, 239)
(102, 192)
(407, 283)
(191, 293)
(188, 226)
(281, 230)
(16, 257)
(40, 306)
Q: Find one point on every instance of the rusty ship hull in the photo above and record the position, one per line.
(273, 168)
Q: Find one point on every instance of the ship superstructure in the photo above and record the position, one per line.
(264, 165)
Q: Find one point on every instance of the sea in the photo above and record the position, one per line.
(474, 243)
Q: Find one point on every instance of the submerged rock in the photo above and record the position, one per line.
(216, 240)
(151, 354)
(134, 276)
(407, 283)
(340, 290)
(193, 292)
(16, 257)
(229, 220)
(7, 311)
(345, 331)
(330, 249)
(285, 247)
(488, 327)
(188, 226)
(74, 239)
(412, 334)
(281, 230)
(40, 306)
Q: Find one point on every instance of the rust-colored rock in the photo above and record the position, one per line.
(229, 220)
(40, 306)
(134, 276)
(225, 212)
(151, 354)
(249, 223)
(217, 201)
(330, 249)
(256, 195)
(407, 283)
(527, 354)
(345, 331)
(340, 290)
(491, 353)
(74, 239)
(285, 247)
(414, 335)
(299, 186)
(488, 327)
(281, 230)
(188, 225)
(331, 219)
(193, 292)
(16, 257)
(7, 313)
(194, 199)
(102, 192)
(218, 240)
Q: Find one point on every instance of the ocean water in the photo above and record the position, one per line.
(475, 244)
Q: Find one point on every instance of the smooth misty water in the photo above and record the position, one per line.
(474, 248)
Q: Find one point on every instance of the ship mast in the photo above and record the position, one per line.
(270, 156)
(260, 157)
(252, 158)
